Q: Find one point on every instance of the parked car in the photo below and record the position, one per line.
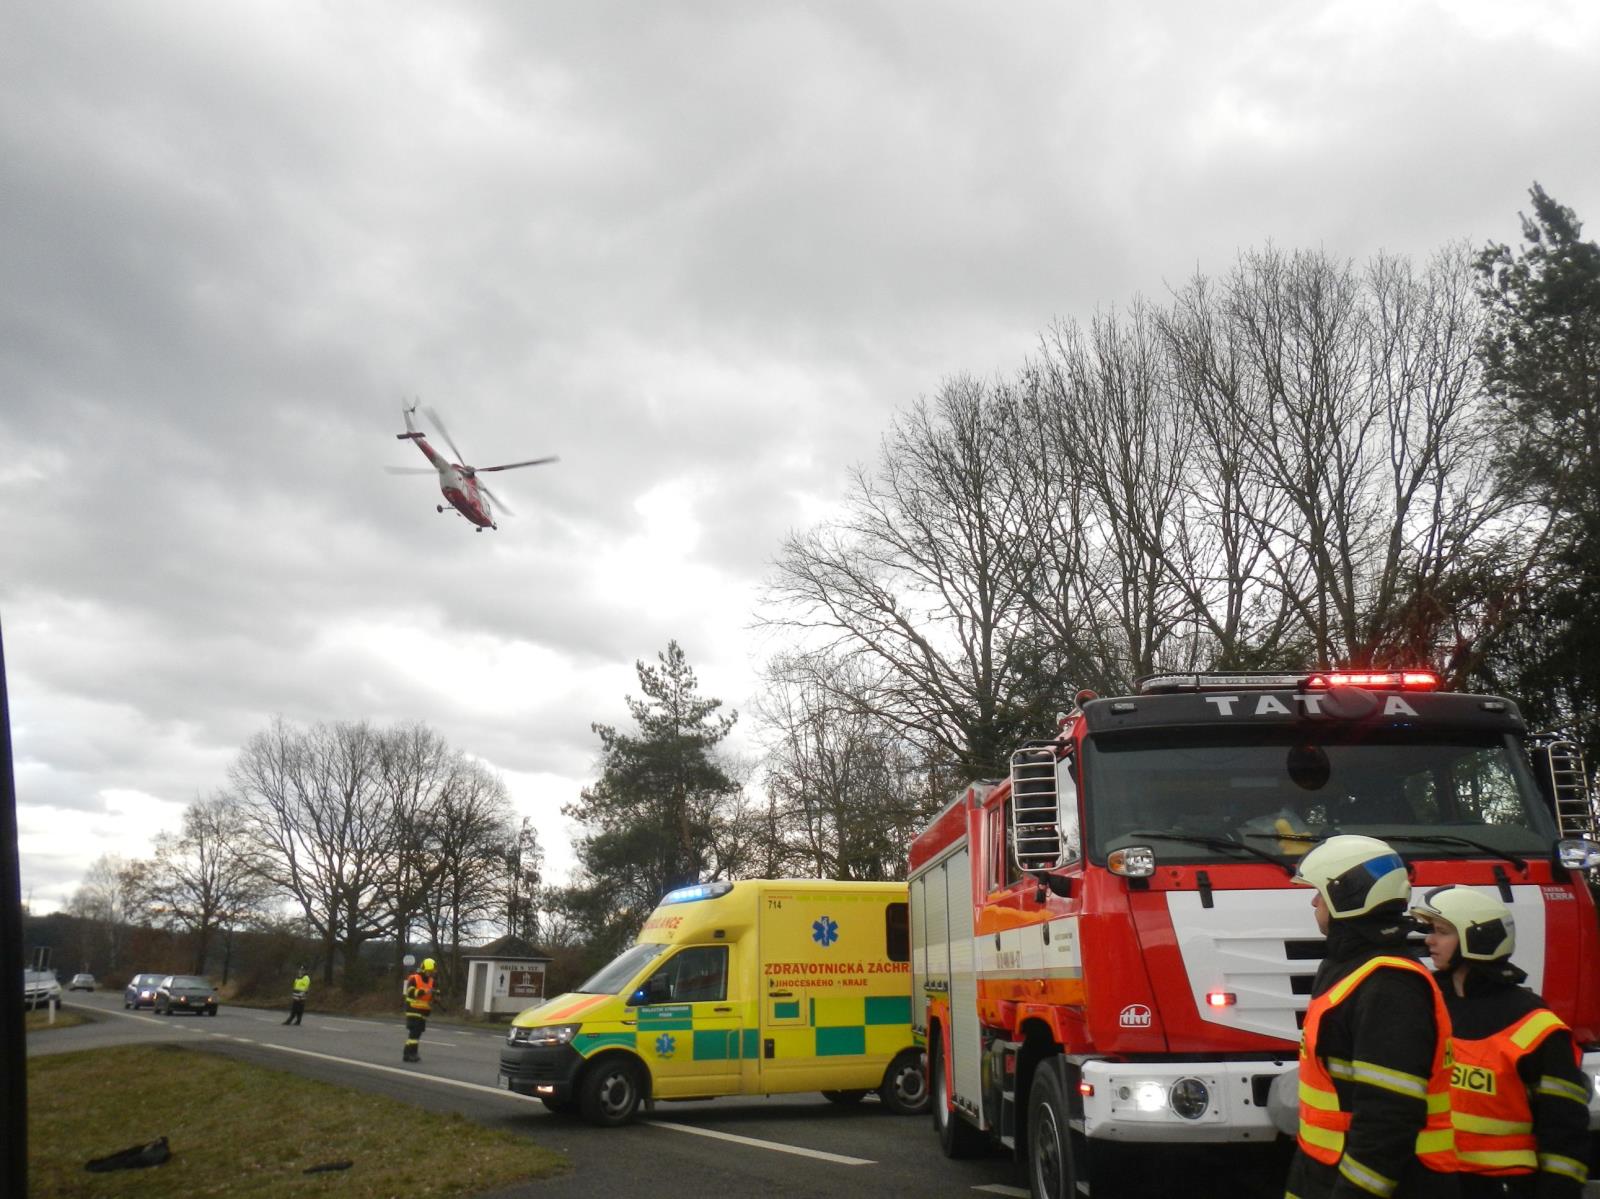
(141, 991)
(186, 993)
(39, 988)
(81, 982)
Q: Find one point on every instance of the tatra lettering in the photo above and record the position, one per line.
(1398, 707)
(1268, 704)
(1472, 1078)
(1224, 703)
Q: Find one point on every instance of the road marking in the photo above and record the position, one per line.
(752, 1142)
(775, 1146)
(994, 1188)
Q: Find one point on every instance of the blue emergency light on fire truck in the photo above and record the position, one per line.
(1107, 950)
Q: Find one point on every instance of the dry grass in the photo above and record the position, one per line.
(38, 1020)
(235, 1128)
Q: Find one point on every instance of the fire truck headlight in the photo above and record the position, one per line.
(1145, 1096)
(1132, 861)
(1189, 1098)
(1579, 853)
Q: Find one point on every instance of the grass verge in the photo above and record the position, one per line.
(38, 1020)
(235, 1128)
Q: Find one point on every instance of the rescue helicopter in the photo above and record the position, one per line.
(458, 481)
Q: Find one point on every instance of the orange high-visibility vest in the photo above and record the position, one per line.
(419, 994)
(1488, 1101)
(1323, 1122)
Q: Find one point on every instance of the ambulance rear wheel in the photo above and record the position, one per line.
(905, 1086)
(609, 1093)
(844, 1098)
(957, 1138)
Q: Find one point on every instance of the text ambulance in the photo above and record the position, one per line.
(1107, 947)
(747, 988)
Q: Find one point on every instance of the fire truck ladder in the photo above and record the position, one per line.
(1569, 787)
(1035, 814)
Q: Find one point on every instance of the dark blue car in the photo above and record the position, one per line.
(141, 991)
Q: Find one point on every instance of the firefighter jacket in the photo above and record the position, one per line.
(1374, 1073)
(419, 994)
(1519, 1101)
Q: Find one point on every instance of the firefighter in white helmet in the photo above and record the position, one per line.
(1374, 1061)
(1518, 1100)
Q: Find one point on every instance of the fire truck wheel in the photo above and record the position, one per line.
(844, 1098)
(957, 1138)
(610, 1091)
(1052, 1173)
(904, 1090)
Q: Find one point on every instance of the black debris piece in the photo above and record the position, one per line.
(134, 1157)
(326, 1166)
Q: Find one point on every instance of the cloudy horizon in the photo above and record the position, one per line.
(704, 253)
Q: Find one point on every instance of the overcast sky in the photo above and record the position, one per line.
(702, 251)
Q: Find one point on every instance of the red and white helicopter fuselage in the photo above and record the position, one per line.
(460, 488)
(457, 481)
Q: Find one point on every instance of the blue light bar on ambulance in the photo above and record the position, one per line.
(698, 891)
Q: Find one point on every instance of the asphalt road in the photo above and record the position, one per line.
(796, 1145)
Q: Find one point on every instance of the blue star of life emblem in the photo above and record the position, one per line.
(665, 1045)
(824, 931)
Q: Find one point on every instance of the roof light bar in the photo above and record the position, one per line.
(1384, 680)
(697, 892)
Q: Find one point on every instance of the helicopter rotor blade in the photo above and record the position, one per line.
(411, 470)
(514, 465)
(499, 504)
(461, 459)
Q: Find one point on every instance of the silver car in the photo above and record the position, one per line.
(39, 988)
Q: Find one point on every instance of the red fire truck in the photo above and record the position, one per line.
(1107, 949)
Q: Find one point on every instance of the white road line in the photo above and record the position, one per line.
(994, 1188)
(775, 1146)
(752, 1142)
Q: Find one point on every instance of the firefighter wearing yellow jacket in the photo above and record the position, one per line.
(418, 994)
(1518, 1100)
(1374, 1053)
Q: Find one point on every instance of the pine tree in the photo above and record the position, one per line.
(1541, 356)
(654, 813)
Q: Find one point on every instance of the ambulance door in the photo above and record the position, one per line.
(816, 950)
(689, 1031)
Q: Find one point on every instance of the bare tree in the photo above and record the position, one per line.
(202, 879)
(846, 792)
(926, 580)
(471, 825)
(111, 897)
(323, 834)
(414, 767)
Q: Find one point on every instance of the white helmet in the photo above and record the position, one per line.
(1354, 875)
(1483, 924)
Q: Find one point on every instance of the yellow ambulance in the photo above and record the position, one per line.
(747, 988)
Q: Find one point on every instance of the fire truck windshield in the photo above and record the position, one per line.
(1435, 792)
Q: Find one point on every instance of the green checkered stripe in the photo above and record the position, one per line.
(835, 1028)
(844, 1027)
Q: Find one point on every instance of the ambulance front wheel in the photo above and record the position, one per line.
(610, 1091)
(904, 1090)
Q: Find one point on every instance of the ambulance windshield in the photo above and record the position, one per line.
(1283, 789)
(610, 979)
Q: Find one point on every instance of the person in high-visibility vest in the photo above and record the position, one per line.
(1518, 1099)
(1374, 1052)
(418, 993)
(297, 998)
